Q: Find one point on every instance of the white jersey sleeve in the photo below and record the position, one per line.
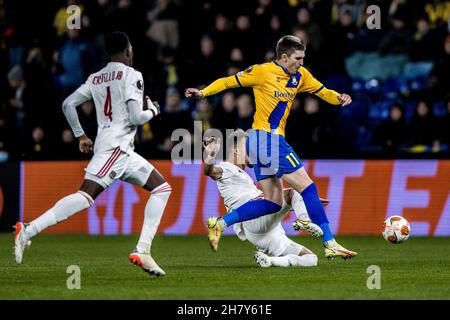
(80, 96)
(85, 89)
(134, 87)
(137, 115)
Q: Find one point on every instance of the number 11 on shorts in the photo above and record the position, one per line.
(294, 164)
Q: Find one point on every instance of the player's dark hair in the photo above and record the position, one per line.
(289, 44)
(116, 42)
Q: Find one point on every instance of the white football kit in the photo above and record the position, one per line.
(117, 91)
(266, 233)
(112, 88)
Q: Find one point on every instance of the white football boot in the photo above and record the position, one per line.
(262, 259)
(21, 241)
(146, 263)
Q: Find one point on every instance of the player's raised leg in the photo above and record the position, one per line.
(248, 211)
(302, 183)
(62, 210)
(151, 180)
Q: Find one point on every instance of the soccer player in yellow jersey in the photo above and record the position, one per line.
(275, 85)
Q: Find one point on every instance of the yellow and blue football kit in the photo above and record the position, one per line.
(274, 90)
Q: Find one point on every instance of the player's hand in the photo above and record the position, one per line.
(152, 105)
(212, 146)
(85, 144)
(193, 92)
(158, 108)
(145, 103)
(345, 99)
(325, 202)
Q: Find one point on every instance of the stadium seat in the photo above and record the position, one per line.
(373, 86)
(379, 110)
(357, 111)
(439, 109)
(358, 85)
(410, 107)
(340, 83)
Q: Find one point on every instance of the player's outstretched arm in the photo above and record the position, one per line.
(312, 85)
(212, 147)
(193, 93)
(214, 88)
(344, 99)
(333, 97)
(250, 77)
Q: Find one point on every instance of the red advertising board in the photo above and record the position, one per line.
(362, 194)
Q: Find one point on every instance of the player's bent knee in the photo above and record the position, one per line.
(162, 189)
(89, 200)
(155, 180)
(305, 251)
(92, 186)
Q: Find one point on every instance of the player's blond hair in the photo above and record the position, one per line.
(234, 139)
(288, 44)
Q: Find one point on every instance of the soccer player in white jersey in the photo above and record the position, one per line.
(266, 233)
(118, 94)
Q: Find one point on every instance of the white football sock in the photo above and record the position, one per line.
(222, 224)
(153, 213)
(299, 206)
(292, 260)
(62, 210)
(330, 243)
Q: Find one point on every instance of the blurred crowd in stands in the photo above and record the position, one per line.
(398, 75)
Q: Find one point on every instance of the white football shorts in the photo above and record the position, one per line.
(105, 167)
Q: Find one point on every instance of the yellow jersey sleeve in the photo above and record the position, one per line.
(220, 85)
(312, 85)
(250, 77)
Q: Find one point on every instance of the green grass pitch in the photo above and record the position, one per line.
(417, 269)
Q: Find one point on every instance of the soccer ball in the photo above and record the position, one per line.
(396, 229)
